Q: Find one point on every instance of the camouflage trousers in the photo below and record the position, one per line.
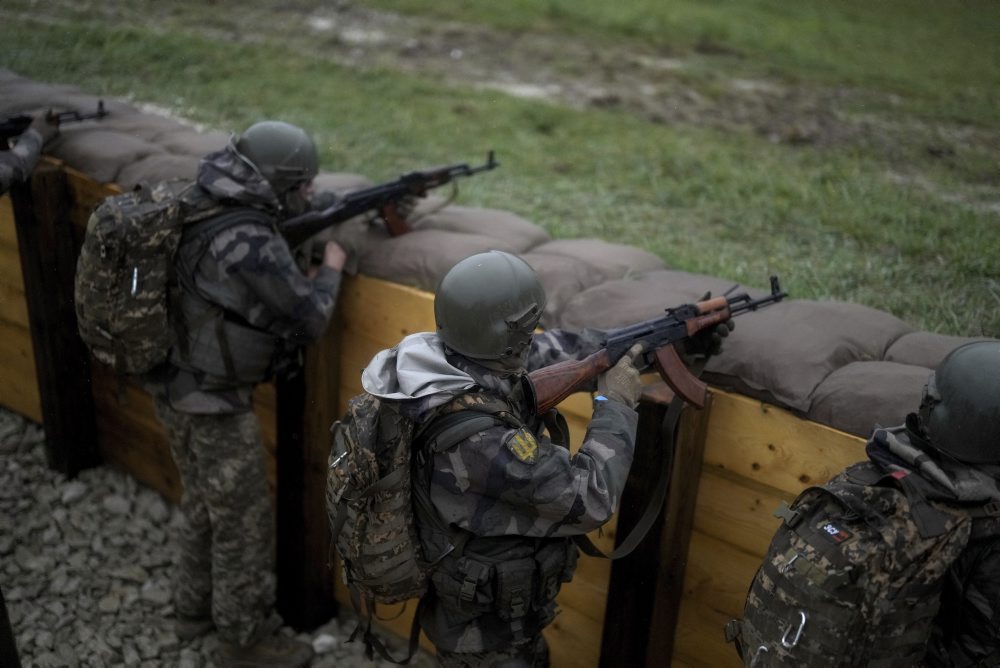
(225, 563)
(531, 654)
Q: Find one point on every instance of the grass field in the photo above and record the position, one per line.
(852, 148)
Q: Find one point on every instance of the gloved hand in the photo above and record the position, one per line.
(405, 206)
(708, 341)
(621, 382)
(42, 126)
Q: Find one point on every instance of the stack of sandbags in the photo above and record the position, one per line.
(840, 364)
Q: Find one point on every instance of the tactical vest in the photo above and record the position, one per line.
(210, 339)
(513, 579)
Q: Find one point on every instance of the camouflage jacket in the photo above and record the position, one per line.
(244, 295)
(517, 493)
(17, 162)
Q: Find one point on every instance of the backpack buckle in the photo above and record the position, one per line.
(473, 574)
(790, 517)
(468, 591)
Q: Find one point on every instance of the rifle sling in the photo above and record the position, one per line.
(668, 434)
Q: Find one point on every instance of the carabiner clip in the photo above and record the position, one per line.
(798, 632)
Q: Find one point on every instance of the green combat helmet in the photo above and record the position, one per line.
(960, 410)
(487, 306)
(284, 154)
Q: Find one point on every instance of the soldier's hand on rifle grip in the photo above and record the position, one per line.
(708, 341)
(405, 206)
(621, 382)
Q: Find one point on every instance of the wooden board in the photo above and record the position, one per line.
(737, 510)
(715, 586)
(774, 447)
(19, 389)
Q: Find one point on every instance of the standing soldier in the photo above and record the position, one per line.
(515, 496)
(244, 308)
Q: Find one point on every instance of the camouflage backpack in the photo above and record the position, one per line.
(126, 268)
(377, 481)
(853, 575)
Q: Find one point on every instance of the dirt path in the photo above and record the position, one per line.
(704, 88)
(580, 74)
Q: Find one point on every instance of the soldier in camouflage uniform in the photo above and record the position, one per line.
(17, 162)
(512, 497)
(908, 549)
(244, 306)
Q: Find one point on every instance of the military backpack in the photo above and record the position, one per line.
(126, 270)
(853, 576)
(377, 480)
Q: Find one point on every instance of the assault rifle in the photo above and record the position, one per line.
(16, 125)
(384, 197)
(58, 118)
(547, 386)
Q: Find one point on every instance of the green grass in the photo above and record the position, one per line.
(831, 222)
(942, 54)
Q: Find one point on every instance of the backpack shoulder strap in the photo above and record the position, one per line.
(198, 234)
(449, 429)
(462, 417)
(441, 432)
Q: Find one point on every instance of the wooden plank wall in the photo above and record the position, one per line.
(18, 389)
(756, 456)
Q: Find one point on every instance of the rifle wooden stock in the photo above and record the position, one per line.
(552, 384)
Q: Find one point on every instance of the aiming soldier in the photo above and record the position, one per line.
(245, 307)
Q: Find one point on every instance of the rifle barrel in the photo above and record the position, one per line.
(296, 230)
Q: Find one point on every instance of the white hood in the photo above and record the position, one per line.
(415, 368)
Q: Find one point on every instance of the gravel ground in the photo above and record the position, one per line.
(84, 569)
